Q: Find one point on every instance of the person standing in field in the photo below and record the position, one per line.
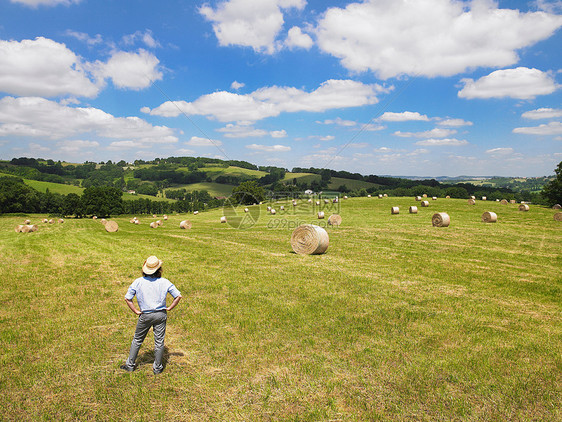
(151, 290)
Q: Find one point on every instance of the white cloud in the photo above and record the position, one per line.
(543, 113)
(522, 83)
(369, 127)
(339, 121)
(35, 3)
(76, 146)
(322, 138)
(242, 131)
(552, 128)
(429, 37)
(550, 6)
(442, 142)
(237, 85)
(500, 151)
(278, 133)
(184, 151)
(145, 37)
(250, 23)
(454, 123)
(272, 101)
(130, 70)
(42, 67)
(82, 36)
(296, 38)
(269, 148)
(195, 141)
(402, 117)
(433, 133)
(41, 118)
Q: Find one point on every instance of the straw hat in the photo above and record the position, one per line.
(151, 265)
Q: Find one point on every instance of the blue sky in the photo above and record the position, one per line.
(399, 87)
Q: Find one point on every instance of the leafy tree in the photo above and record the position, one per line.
(102, 201)
(16, 196)
(553, 190)
(248, 192)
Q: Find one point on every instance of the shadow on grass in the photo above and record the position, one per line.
(147, 357)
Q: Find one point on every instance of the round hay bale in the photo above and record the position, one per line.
(345, 197)
(153, 215)
(45, 220)
(195, 212)
(558, 216)
(334, 220)
(425, 204)
(385, 195)
(111, 226)
(159, 222)
(380, 195)
(484, 198)
(413, 209)
(368, 196)
(294, 203)
(18, 228)
(309, 200)
(425, 195)
(557, 207)
(94, 218)
(137, 222)
(418, 198)
(440, 219)
(132, 221)
(447, 197)
(165, 217)
(246, 210)
(103, 221)
(471, 201)
(309, 239)
(27, 222)
(326, 201)
(523, 207)
(336, 200)
(512, 201)
(61, 220)
(317, 202)
(434, 198)
(268, 209)
(320, 215)
(223, 219)
(473, 197)
(282, 208)
(489, 217)
(185, 224)
(504, 201)
(153, 225)
(273, 212)
(395, 210)
(51, 221)
(33, 228)
(25, 228)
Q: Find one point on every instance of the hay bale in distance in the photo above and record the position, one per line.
(395, 210)
(282, 207)
(268, 209)
(51, 221)
(273, 212)
(558, 216)
(484, 198)
(504, 201)
(45, 220)
(309, 239)
(320, 215)
(153, 225)
(223, 219)
(413, 209)
(557, 207)
(111, 226)
(523, 207)
(434, 198)
(94, 218)
(447, 197)
(195, 212)
(334, 220)
(440, 219)
(159, 222)
(185, 224)
(165, 217)
(425, 204)
(61, 220)
(512, 201)
(326, 201)
(385, 195)
(418, 198)
(25, 228)
(380, 195)
(345, 197)
(33, 227)
(489, 217)
(471, 201)
(103, 221)
(154, 215)
(424, 195)
(368, 196)
(27, 222)
(18, 228)
(246, 210)
(473, 197)
(137, 222)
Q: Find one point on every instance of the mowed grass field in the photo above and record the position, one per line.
(399, 320)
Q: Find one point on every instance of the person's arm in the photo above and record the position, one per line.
(174, 303)
(131, 305)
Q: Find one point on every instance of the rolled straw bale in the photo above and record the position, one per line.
(223, 219)
(471, 201)
(51, 221)
(326, 201)
(132, 221)
(335, 201)
(246, 210)
(380, 195)
(489, 217)
(320, 215)
(268, 209)
(484, 198)
(33, 227)
(558, 216)
(523, 207)
(368, 196)
(61, 220)
(111, 226)
(153, 225)
(185, 224)
(309, 239)
(159, 222)
(25, 229)
(317, 202)
(165, 217)
(425, 195)
(497, 200)
(137, 222)
(94, 218)
(103, 221)
(345, 197)
(27, 222)
(273, 212)
(294, 203)
(195, 212)
(395, 210)
(309, 200)
(153, 215)
(413, 210)
(282, 207)
(512, 201)
(45, 220)
(334, 220)
(473, 197)
(385, 195)
(447, 197)
(18, 228)
(425, 204)
(434, 198)
(440, 219)
(504, 201)
(418, 198)
(557, 207)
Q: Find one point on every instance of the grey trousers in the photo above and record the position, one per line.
(157, 320)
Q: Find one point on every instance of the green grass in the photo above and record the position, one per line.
(214, 189)
(336, 182)
(301, 177)
(214, 172)
(399, 320)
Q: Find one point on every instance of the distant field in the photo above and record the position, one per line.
(336, 182)
(233, 171)
(398, 321)
(301, 177)
(214, 189)
(53, 187)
